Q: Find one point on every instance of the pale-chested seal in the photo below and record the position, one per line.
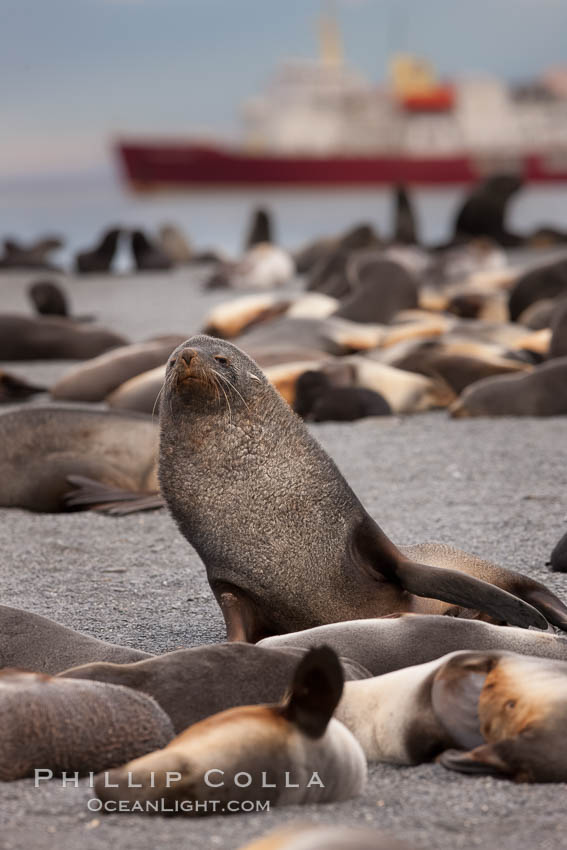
(140, 393)
(286, 543)
(53, 458)
(302, 836)
(542, 392)
(391, 643)
(510, 710)
(63, 725)
(29, 641)
(263, 266)
(97, 378)
(214, 758)
(99, 259)
(191, 684)
(53, 338)
(521, 710)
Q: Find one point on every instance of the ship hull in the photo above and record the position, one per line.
(173, 165)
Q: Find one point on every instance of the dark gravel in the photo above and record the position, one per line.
(494, 487)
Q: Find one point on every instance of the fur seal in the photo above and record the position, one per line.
(390, 643)
(14, 388)
(558, 557)
(63, 725)
(147, 255)
(297, 738)
(140, 394)
(48, 298)
(380, 288)
(521, 711)
(303, 836)
(260, 229)
(405, 220)
(232, 318)
(174, 245)
(53, 338)
(55, 458)
(29, 641)
(542, 392)
(484, 209)
(508, 709)
(97, 378)
(99, 259)
(263, 266)
(317, 400)
(546, 281)
(33, 256)
(191, 684)
(308, 553)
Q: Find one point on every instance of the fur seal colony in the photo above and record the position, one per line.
(291, 554)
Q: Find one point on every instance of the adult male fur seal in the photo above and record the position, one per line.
(286, 543)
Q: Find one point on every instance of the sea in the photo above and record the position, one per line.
(78, 207)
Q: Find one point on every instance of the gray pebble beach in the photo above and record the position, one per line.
(493, 487)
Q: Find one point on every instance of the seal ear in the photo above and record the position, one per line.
(315, 691)
(379, 555)
(482, 760)
(455, 693)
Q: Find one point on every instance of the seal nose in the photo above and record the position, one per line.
(188, 354)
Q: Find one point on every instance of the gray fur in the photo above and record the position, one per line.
(286, 543)
(29, 641)
(191, 684)
(391, 643)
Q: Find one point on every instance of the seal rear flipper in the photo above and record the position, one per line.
(469, 592)
(483, 760)
(89, 494)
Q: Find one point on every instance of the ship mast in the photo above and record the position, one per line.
(330, 40)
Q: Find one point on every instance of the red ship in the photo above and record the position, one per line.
(321, 124)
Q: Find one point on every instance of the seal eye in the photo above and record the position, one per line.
(222, 360)
(171, 362)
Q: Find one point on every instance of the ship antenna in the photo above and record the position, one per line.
(330, 40)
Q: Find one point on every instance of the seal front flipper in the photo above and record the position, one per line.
(469, 592)
(240, 615)
(88, 494)
(482, 760)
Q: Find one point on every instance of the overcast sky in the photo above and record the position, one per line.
(74, 72)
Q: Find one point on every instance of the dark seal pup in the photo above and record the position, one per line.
(191, 684)
(317, 400)
(286, 543)
(484, 209)
(29, 641)
(62, 725)
(99, 259)
(147, 255)
(558, 558)
(53, 458)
